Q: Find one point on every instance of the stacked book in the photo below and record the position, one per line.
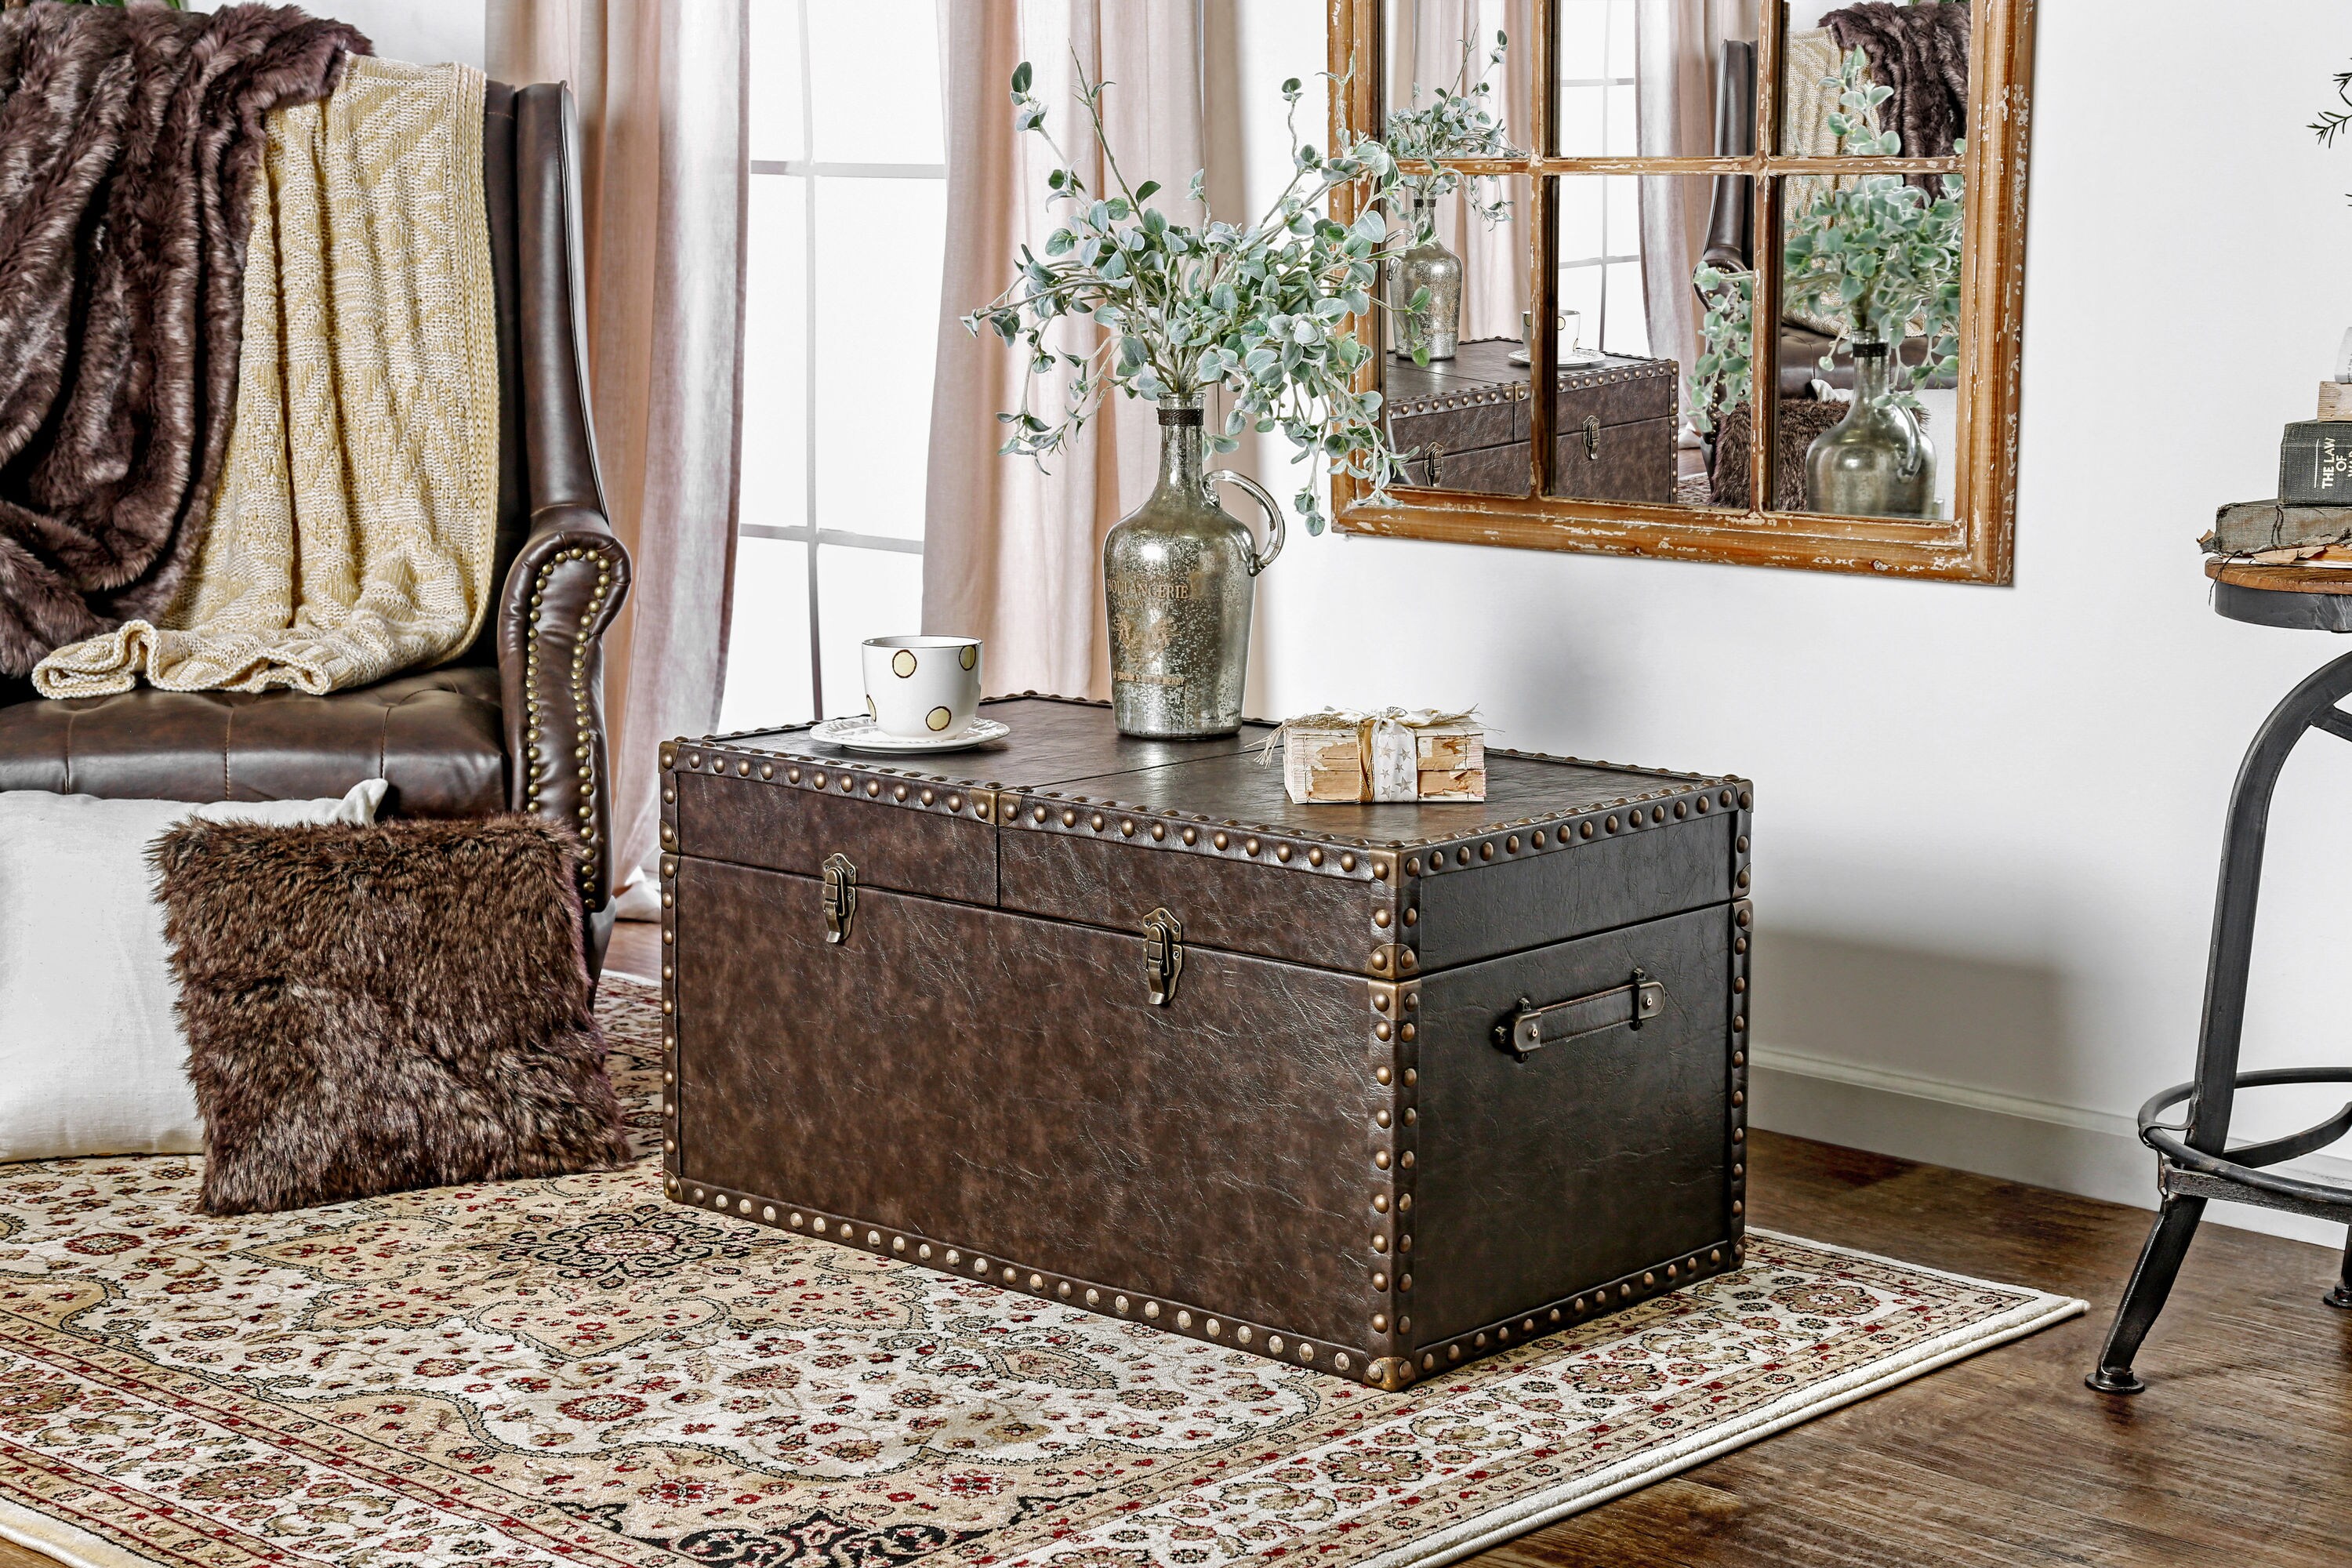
(2310, 523)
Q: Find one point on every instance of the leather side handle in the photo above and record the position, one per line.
(1626, 1006)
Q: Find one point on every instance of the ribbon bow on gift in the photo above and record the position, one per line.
(1386, 748)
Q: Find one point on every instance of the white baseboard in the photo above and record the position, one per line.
(2091, 1152)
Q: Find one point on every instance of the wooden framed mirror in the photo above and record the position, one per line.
(1602, 175)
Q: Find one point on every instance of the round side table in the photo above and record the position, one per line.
(2195, 1162)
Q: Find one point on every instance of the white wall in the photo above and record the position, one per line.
(425, 32)
(1988, 818)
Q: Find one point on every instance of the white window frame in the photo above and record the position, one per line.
(813, 532)
(1608, 86)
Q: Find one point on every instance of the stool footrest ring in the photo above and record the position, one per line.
(2214, 1175)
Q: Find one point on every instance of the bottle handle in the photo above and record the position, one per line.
(1273, 523)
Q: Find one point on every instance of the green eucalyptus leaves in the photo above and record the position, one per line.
(1458, 121)
(1880, 255)
(1264, 311)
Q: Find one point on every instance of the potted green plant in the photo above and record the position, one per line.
(1881, 259)
(1458, 121)
(1132, 300)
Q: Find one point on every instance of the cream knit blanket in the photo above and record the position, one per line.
(354, 528)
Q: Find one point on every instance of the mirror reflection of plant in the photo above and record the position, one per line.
(1459, 121)
(1877, 253)
(1262, 310)
(1724, 368)
(1874, 252)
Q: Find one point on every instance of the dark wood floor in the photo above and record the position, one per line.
(2239, 1454)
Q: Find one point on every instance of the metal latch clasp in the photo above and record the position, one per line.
(840, 896)
(1163, 955)
(1593, 437)
(1629, 1005)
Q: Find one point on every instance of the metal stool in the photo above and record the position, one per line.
(2194, 1161)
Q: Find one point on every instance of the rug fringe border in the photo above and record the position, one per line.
(1514, 1520)
(71, 1546)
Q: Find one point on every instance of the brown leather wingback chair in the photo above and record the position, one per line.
(516, 722)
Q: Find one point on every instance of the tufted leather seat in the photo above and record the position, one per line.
(434, 737)
(516, 722)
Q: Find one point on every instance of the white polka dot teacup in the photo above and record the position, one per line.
(922, 687)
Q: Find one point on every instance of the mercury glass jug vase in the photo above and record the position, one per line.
(1437, 325)
(1178, 575)
(1876, 461)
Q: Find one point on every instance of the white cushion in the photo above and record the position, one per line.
(92, 1060)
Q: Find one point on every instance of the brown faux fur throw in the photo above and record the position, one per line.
(1922, 53)
(371, 1009)
(1801, 419)
(129, 143)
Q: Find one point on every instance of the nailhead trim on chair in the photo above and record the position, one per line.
(584, 752)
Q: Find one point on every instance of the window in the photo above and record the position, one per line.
(1667, 148)
(1600, 242)
(848, 214)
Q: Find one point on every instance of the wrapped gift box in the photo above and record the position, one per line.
(1340, 758)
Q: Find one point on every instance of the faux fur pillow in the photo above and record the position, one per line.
(379, 1008)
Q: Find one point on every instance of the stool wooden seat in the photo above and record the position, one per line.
(2196, 1162)
(2302, 598)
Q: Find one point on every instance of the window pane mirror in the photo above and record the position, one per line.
(1598, 179)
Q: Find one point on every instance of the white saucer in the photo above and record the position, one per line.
(1575, 359)
(860, 733)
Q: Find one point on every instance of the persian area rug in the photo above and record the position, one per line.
(575, 1370)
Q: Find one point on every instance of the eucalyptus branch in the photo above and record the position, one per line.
(1265, 311)
(1459, 121)
(2331, 123)
(1877, 252)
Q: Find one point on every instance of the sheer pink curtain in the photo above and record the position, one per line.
(1678, 45)
(1426, 50)
(1012, 555)
(662, 92)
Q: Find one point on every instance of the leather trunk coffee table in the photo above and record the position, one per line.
(1462, 423)
(1376, 1088)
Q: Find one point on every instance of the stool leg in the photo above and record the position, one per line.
(2341, 1295)
(2151, 1282)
